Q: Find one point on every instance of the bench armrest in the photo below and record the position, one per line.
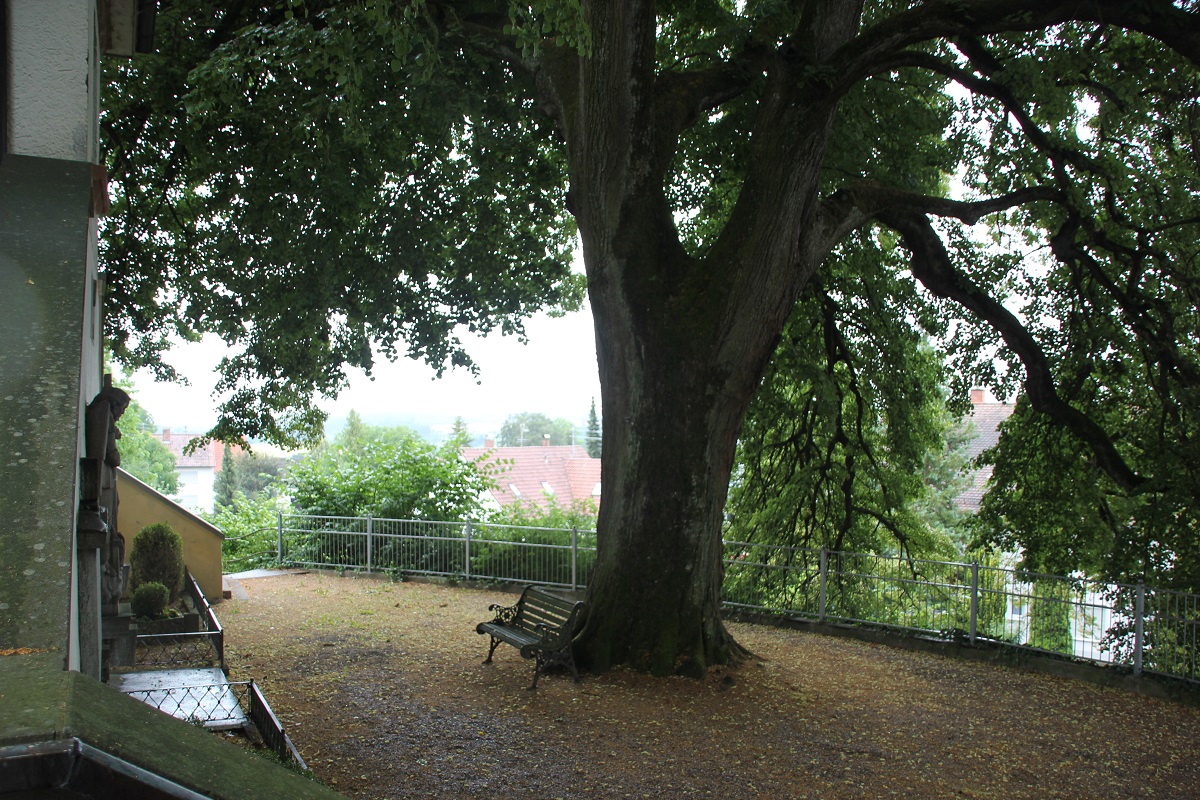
(504, 614)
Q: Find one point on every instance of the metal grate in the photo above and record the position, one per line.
(218, 706)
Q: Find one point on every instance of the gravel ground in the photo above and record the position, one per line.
(381, 688)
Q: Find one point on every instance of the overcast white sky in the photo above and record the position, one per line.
(555, 374)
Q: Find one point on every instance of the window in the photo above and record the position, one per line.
(547, 488)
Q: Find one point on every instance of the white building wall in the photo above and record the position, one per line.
(53, 79)
(197, 488)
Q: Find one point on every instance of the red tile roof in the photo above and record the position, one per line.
(985, 419)
(523, 473)
(208, 456)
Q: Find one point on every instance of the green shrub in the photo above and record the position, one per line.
(157, 555)
(149, 600)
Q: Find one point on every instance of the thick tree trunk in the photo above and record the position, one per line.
(669, 437)
(682, 342)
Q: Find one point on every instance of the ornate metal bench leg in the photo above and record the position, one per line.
(537, 671)
(491, 650)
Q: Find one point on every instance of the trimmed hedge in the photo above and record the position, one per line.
(149, 600)
(157, 557)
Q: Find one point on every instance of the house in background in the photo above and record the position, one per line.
(985, 419)
(197, 471)
(533, 475)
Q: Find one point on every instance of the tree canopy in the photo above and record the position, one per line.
(248, 474)
(849, 444)
(143, 455)
(316, 208)
(390, 472)
(319, 181)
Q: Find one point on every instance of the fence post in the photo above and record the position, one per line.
(1139, 616)
(574, 558)
(369, 539)
(279, 537)
(974, 599)
(467, 548)
(824, 572)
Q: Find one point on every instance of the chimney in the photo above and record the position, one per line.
(489, 443)
(166, 434)
(976, 396)
(545, 440)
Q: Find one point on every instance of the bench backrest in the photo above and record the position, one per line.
(539, 606)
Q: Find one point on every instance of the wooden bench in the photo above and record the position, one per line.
(541, 625)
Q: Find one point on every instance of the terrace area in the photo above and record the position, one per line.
(379, 684)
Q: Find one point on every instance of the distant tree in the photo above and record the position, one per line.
(246, 476)
(460, 435)
(386, 472)
(593, 432)
(143, 455)
(529, 429)
(354, 435)
(227, 482)
(260, 474)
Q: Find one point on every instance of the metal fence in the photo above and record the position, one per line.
(224, 706)
(274, 737)
(467, 550)
(216, 706)
(205, 647)
(1147, 629)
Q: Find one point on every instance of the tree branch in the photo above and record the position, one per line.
(852, 206)
(684, 96)
(1149, 318)
(932, 266)
(1004, 95)
(964, 19)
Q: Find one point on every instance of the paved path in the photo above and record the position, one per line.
(232, 586)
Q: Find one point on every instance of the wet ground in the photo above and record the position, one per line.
(380, 686)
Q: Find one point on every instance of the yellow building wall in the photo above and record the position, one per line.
(141, 505)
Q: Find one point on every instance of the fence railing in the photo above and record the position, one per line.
(224, 706)
(269, 727)
(204, 647)
(217, 706)
(1144, 628)
(208, 619)
(467, 550)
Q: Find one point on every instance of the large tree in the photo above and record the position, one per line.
(310, 178)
